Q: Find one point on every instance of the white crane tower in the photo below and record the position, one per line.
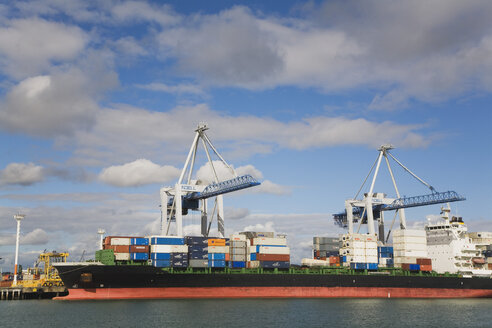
(188, 194)
(372, 205)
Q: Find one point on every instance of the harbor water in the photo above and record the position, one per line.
(249, 313)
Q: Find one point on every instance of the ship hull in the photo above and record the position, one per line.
(147, 282)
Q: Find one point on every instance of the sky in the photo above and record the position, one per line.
(99, 101)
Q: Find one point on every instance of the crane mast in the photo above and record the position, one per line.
(188, 194)
(372, 206)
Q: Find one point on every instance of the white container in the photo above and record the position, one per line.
(358, 259)
(372, 244)
(269, 241)
(237, 250)
(358, 244)
(410, 240)
(372, 259)
(253, 264)
(409, 233)
(356, 251)
(314, 263)
(405, 259)
(169, 248)
(237, 238)
(218, 249)
(409, 247)
(238, 258)
(122, 256)
(410, 254)
(371, 238)
(120, 241)
(274, 250)
(371, 252)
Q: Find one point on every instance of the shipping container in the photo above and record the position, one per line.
(237, 251)
(139, 241)
(161, 263)
(169, 249)
(424, 261)
(241, 258)
(139, 249)
(274, 250)
(118, 248)
(122, 256)
(272, 257)
(216, 242)
(275, 264)
(237, 264)
(237, 238)
(425, 267)
(269, 241)
(216, 256)
(216, 263)
(196, 240)
(238, 244)
(195, 263)
(253, 264)
(139, 256)
(160, 256)
(120, 241)
(166, 240)
(218, 249)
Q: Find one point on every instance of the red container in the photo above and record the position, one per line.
(334, 259)
(139, 249)
(423, 261)
(118, 248)
(490, 266)
(425, 267)
(273, 257)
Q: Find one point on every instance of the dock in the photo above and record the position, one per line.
(26, 293)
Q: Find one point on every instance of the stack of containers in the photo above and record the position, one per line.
(360, 251)
(385, 256)
(139, 249)
(217, 253)
(168, 251)
(197, 251)
(269, 252)
(425, 264)
(408, 245)
(120, 246)
(324, 247)
(237, 251)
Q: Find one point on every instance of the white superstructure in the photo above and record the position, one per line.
(450, 248)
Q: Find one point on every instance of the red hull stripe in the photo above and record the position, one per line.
(272, 292)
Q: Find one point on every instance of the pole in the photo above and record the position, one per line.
(18, 218)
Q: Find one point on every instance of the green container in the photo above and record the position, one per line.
(105, 256)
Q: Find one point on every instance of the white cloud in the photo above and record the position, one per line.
(142, 11)
(178, 89)
(269, 187)
(28, 46)
(154, 134)
(138, 173)
(35, 237)
(52, 105)
(21, 174)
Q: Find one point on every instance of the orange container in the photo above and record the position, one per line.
(227, 256)
(273, 257)
(216, 242)
(334, 259)
(423, 261)
(118, 248)
(425, 267)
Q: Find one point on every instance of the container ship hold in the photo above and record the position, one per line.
(438, 262)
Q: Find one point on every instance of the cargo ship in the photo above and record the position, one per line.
(257, 264)
(185, 275)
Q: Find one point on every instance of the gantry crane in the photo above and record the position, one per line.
(372, 205)
(188, 194)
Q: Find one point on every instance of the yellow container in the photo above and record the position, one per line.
(216, 242)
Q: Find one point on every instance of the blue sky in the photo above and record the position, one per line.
(99, 101)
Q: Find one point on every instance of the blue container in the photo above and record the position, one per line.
(414, 267)
(216, 263)
(198, 256)
(179, 263)
(275, 264)
(332, 253)
(344, 258)
(161, 263)
(372, 266)
(216, 256)
(253, 256)
(160, 256)
(179, 256)
(358, 266)
(389, 263)
(238, 264)
(139, 241)
(167, 241)
(139, 256)
(196, 240)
